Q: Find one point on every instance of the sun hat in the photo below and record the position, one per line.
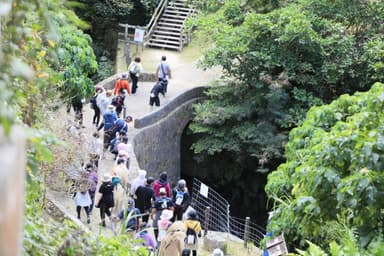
(166, 214)
(111, 107)
(106, 177)
(217, 252)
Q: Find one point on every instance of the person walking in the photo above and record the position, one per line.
(193, 230)
(154, 94)
(121, 84)
(138, 181)
(106, 200)
(172, 243)
(96, 109)
(109, 119)
(162, 182)
(164, 223)
(161, 203)
(163, 73)
(145, 197)
(90, 168)
(82, 199)
(103, 100)
(95, 147)
(181, 198)
(135, 68)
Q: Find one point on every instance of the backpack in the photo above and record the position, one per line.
(191, 237)
(179, 198)
(92, 102)
(117, 101)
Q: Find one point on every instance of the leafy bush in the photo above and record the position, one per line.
(334, 168)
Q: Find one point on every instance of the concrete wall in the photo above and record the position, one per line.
(12, 178)
(109, 83)
(157, 143)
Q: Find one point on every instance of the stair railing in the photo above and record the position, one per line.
(148, 29)
(155, 17)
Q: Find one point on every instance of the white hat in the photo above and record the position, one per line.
(111, 107)
(166, 214)
(106, 177)
(217, 252)
(142, 173)
(162, 191)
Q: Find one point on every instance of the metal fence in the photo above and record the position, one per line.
(214, 213)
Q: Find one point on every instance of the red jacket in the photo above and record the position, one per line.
(157, 185)
(121, 84)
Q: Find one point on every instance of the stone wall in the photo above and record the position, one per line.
(109, 83)
(157, 143)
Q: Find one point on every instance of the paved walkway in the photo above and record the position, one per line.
(185, 75)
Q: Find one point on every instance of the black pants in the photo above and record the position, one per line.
(134, 79)
(96, 116)
(104, 211)
(78, 209)
(187, 252)
(154, 100)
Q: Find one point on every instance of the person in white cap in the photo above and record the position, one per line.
(217, 252)
(106, 201)
(164, 223)
(163, 202)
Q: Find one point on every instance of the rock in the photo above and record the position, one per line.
(215, 240)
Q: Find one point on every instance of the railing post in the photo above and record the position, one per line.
(206, 219)
(246, 232)
(228, 225)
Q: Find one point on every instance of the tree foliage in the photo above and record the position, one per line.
(277, 63)
(77, 63)
(334, 168)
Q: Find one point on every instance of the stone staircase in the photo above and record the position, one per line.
(169, 30)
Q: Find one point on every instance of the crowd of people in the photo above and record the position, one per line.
(149, 209)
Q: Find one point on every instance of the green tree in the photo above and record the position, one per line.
(276, 65)
(77, 63)
(333, 169)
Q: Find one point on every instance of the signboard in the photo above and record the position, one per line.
(277, 246)
(139, 35)
(204, 190)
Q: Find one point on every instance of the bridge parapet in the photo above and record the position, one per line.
(157, 142)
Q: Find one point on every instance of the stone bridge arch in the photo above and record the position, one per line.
(157, 141)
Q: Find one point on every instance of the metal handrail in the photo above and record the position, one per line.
(155, 17)
(148, 29)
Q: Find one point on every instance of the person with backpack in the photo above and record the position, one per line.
(135, 69)
(161, 203)
(144, 197)
(181, 199)
(118, 102)
(163, 73)
(162, 182)
(193, 230)
(121, 84)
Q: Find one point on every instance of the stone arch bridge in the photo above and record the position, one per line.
(156, 137)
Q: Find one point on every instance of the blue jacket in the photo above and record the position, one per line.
(121, 125)
(109, 119)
